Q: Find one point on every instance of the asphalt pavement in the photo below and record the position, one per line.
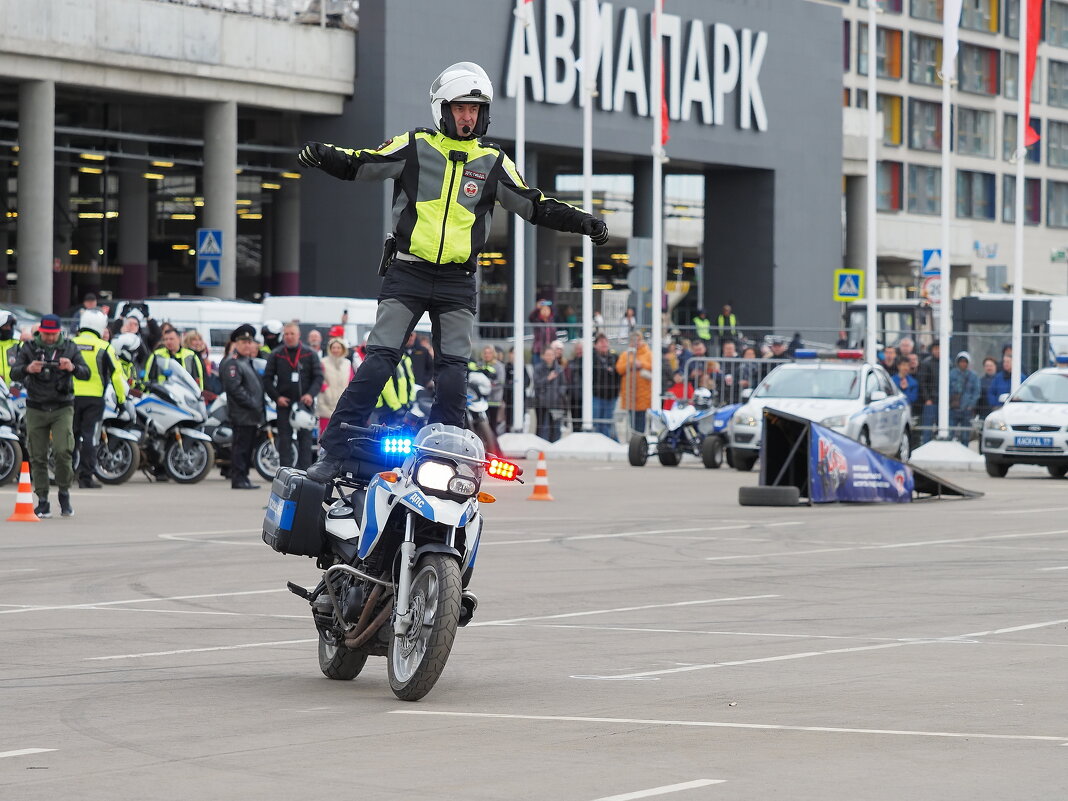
(641, 636)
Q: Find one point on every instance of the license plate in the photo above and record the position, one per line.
(1034, 442)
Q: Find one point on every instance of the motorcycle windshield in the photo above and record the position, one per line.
(451, 441)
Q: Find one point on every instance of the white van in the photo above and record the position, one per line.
(214, 318)
(323, 312)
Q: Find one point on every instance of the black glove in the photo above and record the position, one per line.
(328, 159)
(596, 230)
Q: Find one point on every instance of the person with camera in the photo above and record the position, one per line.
(292, 378)
(47, 366)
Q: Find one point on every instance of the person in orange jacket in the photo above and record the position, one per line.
(635, 365)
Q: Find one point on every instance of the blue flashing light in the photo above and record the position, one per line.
(806, 354)
(397, 445)
(1062, 359)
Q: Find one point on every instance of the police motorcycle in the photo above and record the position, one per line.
(170, 415)
(396, 535)
(10, 443)
(478, 392)
(688, 427)
(118, 453)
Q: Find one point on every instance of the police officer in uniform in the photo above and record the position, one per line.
(171, 348)
(397, 395)
(446, 182)
(293, 375)
(104, 368)
(9, 344)
(244, 397)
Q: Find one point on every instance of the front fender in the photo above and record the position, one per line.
(438, 547)
(7, 433)
(193, 433)
(118, 433)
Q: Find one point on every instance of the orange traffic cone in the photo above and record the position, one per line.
(24, 499)
(541, 482)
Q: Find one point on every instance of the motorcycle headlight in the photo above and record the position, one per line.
(435, 476)
(461, 485)
(838, 421)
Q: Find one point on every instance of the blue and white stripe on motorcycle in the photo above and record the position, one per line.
(472, 542)
(170, 406)
(371, 532)
(420, 503)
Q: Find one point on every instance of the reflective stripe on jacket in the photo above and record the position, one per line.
(185, 357)
(103, 367)
(445, 190)
(397, 393)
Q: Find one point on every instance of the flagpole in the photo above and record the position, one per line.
(871, 262)
(519, 256)
(589, 78)
(1022, 124)
(945, 271)
(658, 202)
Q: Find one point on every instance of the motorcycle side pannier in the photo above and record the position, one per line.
(293, 521)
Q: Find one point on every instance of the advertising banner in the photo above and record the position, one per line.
(842, 469)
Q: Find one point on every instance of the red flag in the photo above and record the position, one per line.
(1034, 32)
(665, 121)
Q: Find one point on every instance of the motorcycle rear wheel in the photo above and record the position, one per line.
(338, 662)
(117, 460)
(10, 460)
(417, 660)
(188, 461)
(265, 458)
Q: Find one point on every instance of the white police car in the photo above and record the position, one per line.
(834, 389)
(1032, 426)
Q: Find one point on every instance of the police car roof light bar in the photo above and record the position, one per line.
(1062, 358)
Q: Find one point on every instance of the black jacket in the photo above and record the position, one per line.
(244, 391)
(282, 363)
(422, 364)
(51, 388)
(605, 378)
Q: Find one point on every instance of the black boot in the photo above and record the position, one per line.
(325, 468)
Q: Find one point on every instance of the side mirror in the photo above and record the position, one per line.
(747, 393)
(878, 395)
(1003, 398)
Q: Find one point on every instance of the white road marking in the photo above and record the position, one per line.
(25, 752)
(563, 537)
(1044, 569)
(198, 612)
(639, 630)
(197, 650)
(667, 788)
(887, 546)
(510, 621)
(1028, 511)
(194, 536)
(135, 601)
(720, 725)
(20, 570)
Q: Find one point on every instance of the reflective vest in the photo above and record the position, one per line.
(721, 321)
(9, 351)
(396, 394)
(445, 190)
(704, 328)
(103, 366)
(185, 357)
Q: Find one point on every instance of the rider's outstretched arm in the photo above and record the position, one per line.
(371, 164)
(529, 203)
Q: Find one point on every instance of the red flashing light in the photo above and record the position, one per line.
(850, 354)
(498, 468)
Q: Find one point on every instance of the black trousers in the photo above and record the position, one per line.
(88, 412)
(284, 442)
(241, 453)
(408, 290)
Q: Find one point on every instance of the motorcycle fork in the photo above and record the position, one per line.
(402, 619)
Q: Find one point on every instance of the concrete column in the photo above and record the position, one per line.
(133, 234)
(856, 244)
(37, 137)
(63, 241)
(642, 201)
(287, 239)
(220, 188)
(268, 237)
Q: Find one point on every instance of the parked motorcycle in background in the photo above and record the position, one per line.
(397, 544)
(264, 453)
(118, 451)
(171, 415)
(478, 392)
(10, 445)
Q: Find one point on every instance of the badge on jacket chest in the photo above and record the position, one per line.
(470, 189)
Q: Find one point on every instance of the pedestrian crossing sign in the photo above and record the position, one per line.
(848, 285)
(209, 254)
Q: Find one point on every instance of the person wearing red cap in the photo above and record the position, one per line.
(47, 366)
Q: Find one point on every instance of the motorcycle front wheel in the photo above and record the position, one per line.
(265, 458)
(417, 660)
(10, 460)
(189, 460)
(117, 460)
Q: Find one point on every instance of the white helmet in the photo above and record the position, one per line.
(94, 320)
(702, 398)
(465, 82)
(127, 346)
(301, 419)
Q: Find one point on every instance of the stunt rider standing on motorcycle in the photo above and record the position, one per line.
(244, 399)
(446, 180)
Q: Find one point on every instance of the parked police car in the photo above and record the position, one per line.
(1032, 426)
(841, 392)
